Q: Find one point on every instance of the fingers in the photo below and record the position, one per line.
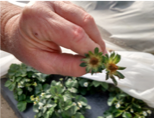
(69, 35)
(79, 17)
(54, 63)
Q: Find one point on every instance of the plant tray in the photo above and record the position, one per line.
(98, 103)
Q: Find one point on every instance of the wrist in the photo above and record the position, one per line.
(9, 18)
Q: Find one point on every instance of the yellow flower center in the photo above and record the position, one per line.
(94, 61)
(112, 67)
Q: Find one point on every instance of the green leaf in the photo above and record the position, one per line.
(22, 97)
(18, 79)
(105, 85)
(111, 100)
(127, 115)
(83, 64)
(12, 86)
(136, 105)
(38, 89)
(46, 86)
(120, 75)
(78, 115)
(118, 113)
(19, 91)
(117, 59)
(73, 90)
(96, 50)
(71, 83)
(21, 105)
(8, 83)
(50, 111)
(96, 83)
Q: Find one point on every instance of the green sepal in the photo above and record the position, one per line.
(121, 68)
(117, 59)
(114, 80)
(86, 55)
(103, 59)
(90, 53)
(103, 67)
(92, 71)
(112, 55)
(96, 51)
(87, 70)
(83, 64)
(120, 75)
(106, 58)
(100, 53)
(107, 75)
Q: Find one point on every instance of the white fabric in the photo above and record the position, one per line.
(124, 26)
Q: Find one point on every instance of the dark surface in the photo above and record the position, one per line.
(98, 103)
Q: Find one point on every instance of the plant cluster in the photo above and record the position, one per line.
(60, 101)
(65, 97)
(97, 62)
(24, 81)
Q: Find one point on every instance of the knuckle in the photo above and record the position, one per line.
(88, 19)
(78, 35)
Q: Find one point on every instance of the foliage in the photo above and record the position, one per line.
(24, 81)
(121, 104)
(60, 101)
(63, 98)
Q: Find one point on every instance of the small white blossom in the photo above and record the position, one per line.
(42, 94)
(38, 74)
(144, 113)
(27, 80)
(47, 96)
(22, 82)
(131, 110)
(85, 84)
(117, 105)
(80, 105)
(49, 105)
(20, 86)
(149, 112)
(33, 76)
(37, 98)
(40, 107)
(59, 111)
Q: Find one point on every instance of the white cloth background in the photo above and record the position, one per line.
(128, 28)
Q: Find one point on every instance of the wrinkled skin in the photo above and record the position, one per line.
(37, 33)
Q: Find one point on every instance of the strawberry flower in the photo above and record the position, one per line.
(112, 68)
(96, 62)
(93, 61)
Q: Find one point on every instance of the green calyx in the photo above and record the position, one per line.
(96, 62)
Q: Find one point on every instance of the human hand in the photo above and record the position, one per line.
(41, 27)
